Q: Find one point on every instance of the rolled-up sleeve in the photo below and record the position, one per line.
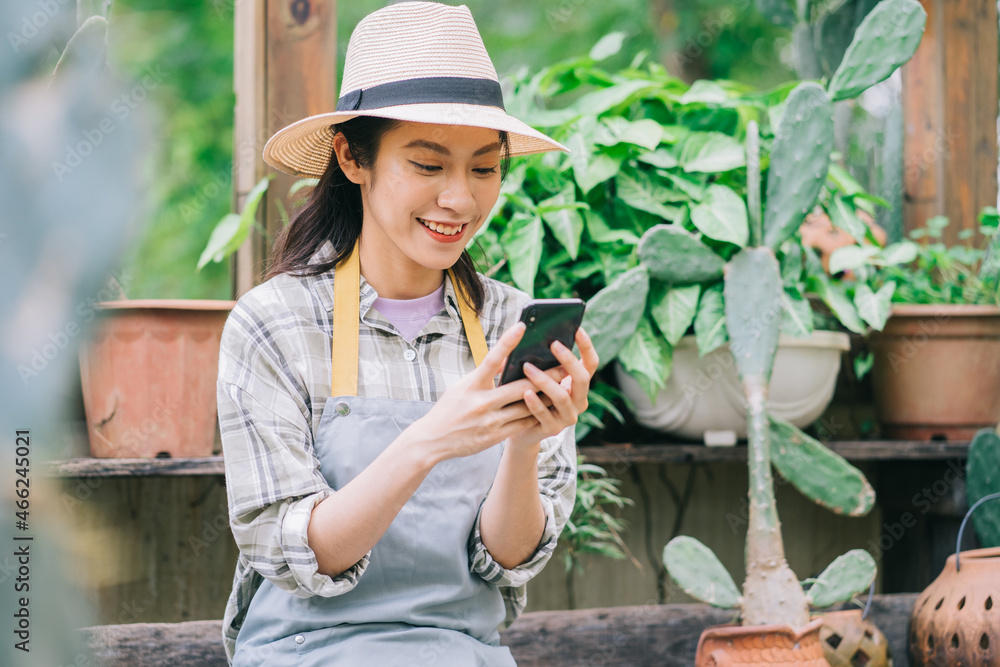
(273, 479)
(557, 492)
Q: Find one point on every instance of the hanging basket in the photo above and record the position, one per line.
(956, 620)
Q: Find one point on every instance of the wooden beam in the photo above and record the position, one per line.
(636, 636)
(285, 69)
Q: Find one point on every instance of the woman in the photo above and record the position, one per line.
(391, 510)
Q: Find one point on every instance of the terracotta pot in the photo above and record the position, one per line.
(149, 376)
(956, 620)
(937, 372)
(748, 646)
(849, 641)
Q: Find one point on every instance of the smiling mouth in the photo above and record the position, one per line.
(447, 230)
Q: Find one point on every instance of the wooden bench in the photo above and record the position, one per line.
(639, 636)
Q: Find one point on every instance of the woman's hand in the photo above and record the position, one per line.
(473, 414)
(567, 399)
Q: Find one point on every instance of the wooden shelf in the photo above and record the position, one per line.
(854, 450)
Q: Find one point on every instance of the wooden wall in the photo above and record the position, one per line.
(950, 115)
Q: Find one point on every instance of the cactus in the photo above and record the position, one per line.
(983, 478)
(753, 182)
(845, 577)
(886, 39)
(699, 573)
(675, 255)
(799, 161)
(613, 314)
(819, 474)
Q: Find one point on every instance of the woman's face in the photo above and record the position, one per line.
(431, 189)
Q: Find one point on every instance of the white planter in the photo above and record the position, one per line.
(704, 395)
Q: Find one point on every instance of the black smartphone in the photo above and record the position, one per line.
(546, 321)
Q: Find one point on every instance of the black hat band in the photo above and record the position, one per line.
(425, 90)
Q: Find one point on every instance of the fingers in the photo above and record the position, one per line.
(588, 353)
(562, 402)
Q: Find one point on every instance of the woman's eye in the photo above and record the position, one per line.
(425, 167)
(486, 171)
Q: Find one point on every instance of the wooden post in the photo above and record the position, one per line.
(285, 69)
(950, 112)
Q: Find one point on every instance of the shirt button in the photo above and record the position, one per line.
(342, 408)
(409, 355)
(299, 639)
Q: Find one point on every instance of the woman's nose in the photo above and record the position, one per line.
(457, 196)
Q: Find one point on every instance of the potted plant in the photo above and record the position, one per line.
(650, 151)
(773, 605)
(936, 338)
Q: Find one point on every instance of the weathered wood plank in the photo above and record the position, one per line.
(959, 95)
(855, 450)
(637, 636)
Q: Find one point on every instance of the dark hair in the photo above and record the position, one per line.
(333, 211)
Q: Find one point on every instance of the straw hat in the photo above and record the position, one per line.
(414, 61)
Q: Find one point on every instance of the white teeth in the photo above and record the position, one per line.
(442, 229)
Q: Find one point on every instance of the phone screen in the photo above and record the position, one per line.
(546, 321)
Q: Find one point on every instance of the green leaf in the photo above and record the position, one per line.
(902, 252)
(601, 233)
(722, 216)
(843, 216)
(607, 46)
(712, 152)
(819, 474)
(613, 314)
(641, 193)
(617, 130)
(232, 230)
(522, 241)
(710, 320)
(796, 318)
(600, 101)
(647, 358)
(835, 297)
(561, 214)
(675, 255)
(590, 168)
(863, 363)
(779, 12)
(874, 307)
(851, 257)
(661, 157)
(699, 572)
(886, 39)
(674, 310)
(845, 577)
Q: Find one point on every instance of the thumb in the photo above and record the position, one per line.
(495, 359)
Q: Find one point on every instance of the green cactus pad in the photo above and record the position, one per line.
(613, 314)
(886, 39)
(753, 311)
(675, 255)
(845, 577)
(699, 573)
(983, 478)
(799, 161)
(821, 475)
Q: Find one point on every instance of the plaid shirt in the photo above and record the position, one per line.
(274, 379)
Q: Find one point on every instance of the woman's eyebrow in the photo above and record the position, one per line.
(438, 148)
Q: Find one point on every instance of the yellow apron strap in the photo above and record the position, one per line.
(346, 314)
(473, 329)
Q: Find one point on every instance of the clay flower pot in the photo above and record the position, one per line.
(149, 376)
(749, 646)
(956, 620)
(937, 371)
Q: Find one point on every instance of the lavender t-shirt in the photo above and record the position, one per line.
(410, 315)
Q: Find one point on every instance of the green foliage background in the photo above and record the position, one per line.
(190, 43)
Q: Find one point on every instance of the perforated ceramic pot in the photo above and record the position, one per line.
(850, 641)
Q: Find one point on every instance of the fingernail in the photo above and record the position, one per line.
(559, 345)
(529, 368)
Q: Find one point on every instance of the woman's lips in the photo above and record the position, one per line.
(448, 234)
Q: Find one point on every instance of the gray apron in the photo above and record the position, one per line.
(417, 603)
